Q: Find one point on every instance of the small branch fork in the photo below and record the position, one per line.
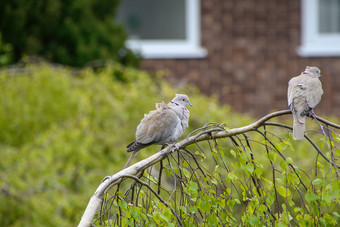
(209, 131)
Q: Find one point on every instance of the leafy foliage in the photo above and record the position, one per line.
(5, 52)
(63, 130)
(241, 181)
(68, 32)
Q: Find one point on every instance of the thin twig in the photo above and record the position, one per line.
(156, 194)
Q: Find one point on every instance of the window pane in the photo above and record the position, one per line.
(153, 19)
(329, 16)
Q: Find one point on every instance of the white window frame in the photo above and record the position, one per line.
(164, 49)
(315, 44)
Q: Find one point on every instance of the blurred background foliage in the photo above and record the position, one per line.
(63, 130)
(67, 32)
(5, 52)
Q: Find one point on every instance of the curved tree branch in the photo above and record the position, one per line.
(206, 134)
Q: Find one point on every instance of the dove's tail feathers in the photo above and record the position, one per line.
(298, 129)
(136, 146)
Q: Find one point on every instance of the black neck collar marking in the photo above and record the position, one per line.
(174, 103)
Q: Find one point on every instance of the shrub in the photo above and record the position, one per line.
(5, 52)
(63, 131)
(67, 32)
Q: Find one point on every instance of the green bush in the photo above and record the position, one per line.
(5, 52)
(63, 131)
(68, 32)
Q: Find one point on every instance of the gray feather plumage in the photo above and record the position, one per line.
(164, 125)
(304, 93)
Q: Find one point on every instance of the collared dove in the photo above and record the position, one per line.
(162, 126)
(304, 93)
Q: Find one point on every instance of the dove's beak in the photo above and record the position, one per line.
(190, 104)
(321, 76)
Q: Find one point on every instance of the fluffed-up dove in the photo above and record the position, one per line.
(304, 93)
(162, 126)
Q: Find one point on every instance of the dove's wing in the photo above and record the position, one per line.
(297, 88)
(304, 93)
(313, 92)
(164, 125)
(157, 126)
(296, 96)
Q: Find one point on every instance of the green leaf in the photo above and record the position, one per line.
(217, 169)
(205, 206)
(317, 181)
(221, 202)
(336, 214)
(231, 204)
(232, 176)
(186, 173)
(284, 192)
(272, 155)
(262, 208)
(183, 209)
(185, 164)
(214, 181)
(122, 204)
(233, 153)
(270, 199)
(289, 145)
(193, 186)
(328, 197)
(212, 220)
(319, 165)
(293, 178)
(164, 217)
(311, 197)
(133, 211)
(168, 173)
(279, 180)
(278, 146)
(258, 172)
(254, 221)
(337, 152)
(289, 160)
(297, 209)
(250, 168)
(283, 165)
(243, 158)
(193, 209)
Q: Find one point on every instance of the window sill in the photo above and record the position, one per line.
(166, 49)
(318, 51)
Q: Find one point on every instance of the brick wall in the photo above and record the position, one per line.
(251, 56)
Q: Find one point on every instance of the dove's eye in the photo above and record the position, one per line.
(183, 99)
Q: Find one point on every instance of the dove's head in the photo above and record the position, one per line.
(182, 100)
(313, 71)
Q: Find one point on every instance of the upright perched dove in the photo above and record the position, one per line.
(162, 126)
(304, 93)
